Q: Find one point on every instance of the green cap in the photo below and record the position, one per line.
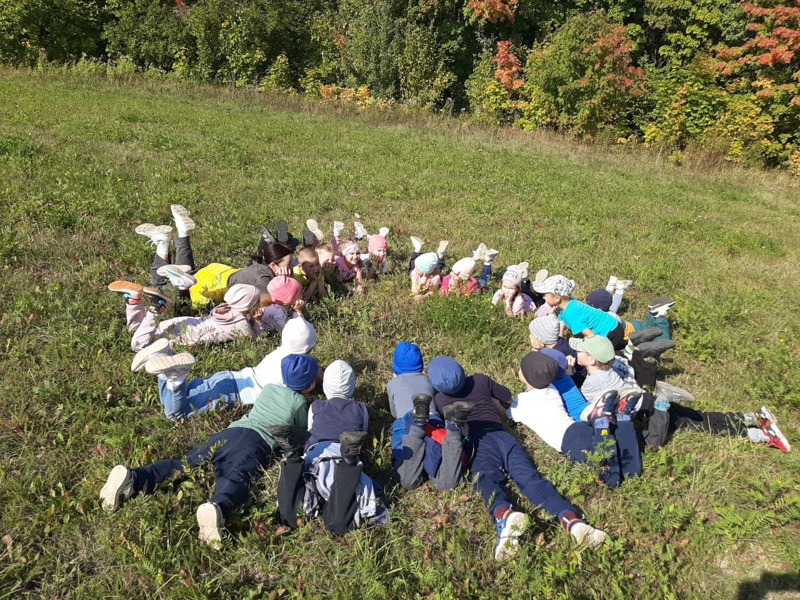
(600, 347)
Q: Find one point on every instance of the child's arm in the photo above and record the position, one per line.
(359, 281)
(498, 295)
(500, 392)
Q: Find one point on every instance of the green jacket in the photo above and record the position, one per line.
(276, 405)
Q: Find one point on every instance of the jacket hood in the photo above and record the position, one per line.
(339, 380)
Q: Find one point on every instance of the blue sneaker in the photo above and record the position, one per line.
(509, 528)
(604, 405)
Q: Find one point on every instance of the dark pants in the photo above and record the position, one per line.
(237, 455)
(498, 456)
(291, 489)
(645, 371)
(626, 458)
(617, 337)
(183, 256)
(418, 457)
(413, 257)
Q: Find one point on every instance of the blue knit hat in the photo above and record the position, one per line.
(600, 299)
(298, 371)
(446, 375)
(407, 359)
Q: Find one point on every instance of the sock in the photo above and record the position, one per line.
(621, 418)
(162, 249)
(568, 520)
(500, 512)
(628, 351)
(751, 420)
(173, 383)
(600, 423)
(450, 426)
(132, 301)
(757, 436)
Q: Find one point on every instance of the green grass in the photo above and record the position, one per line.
(82, 162)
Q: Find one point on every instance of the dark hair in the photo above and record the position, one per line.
(272, 253)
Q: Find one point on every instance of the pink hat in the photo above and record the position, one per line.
(376, 242)
(284, 290)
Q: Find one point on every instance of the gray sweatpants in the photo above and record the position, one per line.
(410, 472)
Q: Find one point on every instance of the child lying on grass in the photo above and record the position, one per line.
(425, 269)
(238, 454)
(460, 280)
(515, 302)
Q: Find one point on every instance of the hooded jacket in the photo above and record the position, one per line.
(330, 418)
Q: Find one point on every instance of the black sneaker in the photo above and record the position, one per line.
(655, 349)
(267, 236)
(647, 334)
(290, 438)
(422, 405)
(659, 302)
(159, 301)
(282, 231)
(351, 442)
(309, 239)
(458, 412)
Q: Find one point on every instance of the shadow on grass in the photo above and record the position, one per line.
(769, 582)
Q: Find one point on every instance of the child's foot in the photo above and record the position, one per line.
(361, 231)
(655, 349)
(313, 227)
(509, 528)
(612, 284)
(523, 270)
(210, 522)
(417, 243)
(309, 239)
(183, 223)
(178, 276)
(660, 306)
(604, 406)
(479, 252)
(648, 334)
(118, 488)
(458, 412)
(622, 286)
(291, 439)
(441, 250)
(421, 410)
(131, 292)
(383, 232)
(170, 366)
(338, 229)
(282, 232)
(267, 236)
(160, 347)
(159, 302)
(584, 533)
(541, 275)
(769, 425)
(673, 392)
(628, 403)
(490, 255)
(156, 233)
(350, 444)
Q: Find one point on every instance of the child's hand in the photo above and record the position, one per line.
(359, 289)
(285, 271)
(298, 305)
(258, 313)
(571, 361)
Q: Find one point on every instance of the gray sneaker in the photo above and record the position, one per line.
(159, 347)
(118, 488)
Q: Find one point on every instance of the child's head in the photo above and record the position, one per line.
(325, 255)
(407, 359)
(596, 353)
(512, 279)
(351, 252)
(561, 361)
(284, 290)
(298, 336)
(299, 372)
(446, 375)
(600, 299)
(242, 297)
(463, 269)
(426, 263)
(544, 331)
(555, 289)
(308, 261)
(537, 370)
(339, 380)
(377, 247)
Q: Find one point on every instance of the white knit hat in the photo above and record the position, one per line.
(339, 380)
(464, 268)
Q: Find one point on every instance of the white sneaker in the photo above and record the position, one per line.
(479, 252)
(541, 275)
(361, 231)
(523, 269)
(177, 276)
(160, 347)
(622, 285)
(442, 249)
(183, 223)
(338, 228)
(171, 366)
(612, 284)
(313, 227)
(490, 255)
(417, 243)
(770, 428)
(156, 233)
(508, 531)
(588, 535)
(383, 232)
(118, 488)
(210, 522)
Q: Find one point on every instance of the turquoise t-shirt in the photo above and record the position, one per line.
(579, 316)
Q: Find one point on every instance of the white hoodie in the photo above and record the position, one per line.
(298, 337)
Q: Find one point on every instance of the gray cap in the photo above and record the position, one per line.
(545, 329)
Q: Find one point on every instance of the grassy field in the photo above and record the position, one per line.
(82, 162)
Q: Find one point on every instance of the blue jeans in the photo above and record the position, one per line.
(199, 396)
(626, 460)
(486, 272)
(499, 456)
(616, 300)
(650, 321)
(237, 455)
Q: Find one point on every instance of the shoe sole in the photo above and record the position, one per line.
(110, 494)
(282, 232)
(541, 275)
(516, 524)
(673, 392)
(644, 335)
(313, 227)
(159, 347)
(154, 293)
(209, 521)
(773, 427)
(592, 539)
(179, 212)
(442, 247)
(126, 287)
(149, 229)
(161, 364)
(177, 276)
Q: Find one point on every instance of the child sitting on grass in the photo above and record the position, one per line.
(515, 302)
(238, 454)
(498, 456)
(541, 408)
(308, 274)
(460, 280)
(232, 319)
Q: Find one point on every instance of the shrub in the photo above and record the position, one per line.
(279, 76)
(489, 100)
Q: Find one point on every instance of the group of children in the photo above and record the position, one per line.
(594, 394)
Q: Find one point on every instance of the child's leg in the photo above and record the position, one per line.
(662, 323)
(145, 479)
(340, 511)
(583, 438)
(411, 258)
(628, 451)
(134, 315)
(645, 371)
(489, 479)
(241, 455)
(486, 273)
(182, 400)
(685, 418)
(408, 469)
(450, 470)
(146, 331)
(291, 489)
(616, 300)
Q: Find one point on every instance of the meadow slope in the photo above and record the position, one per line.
(82, 162)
